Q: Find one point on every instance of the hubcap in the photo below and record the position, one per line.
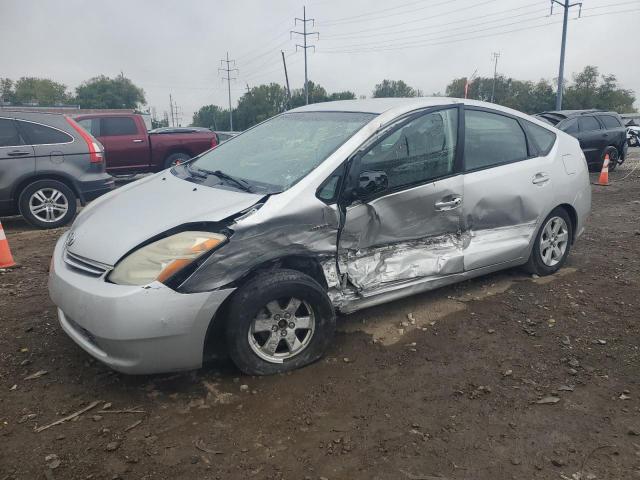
(554, 241)
(48, 205)
(282, 329)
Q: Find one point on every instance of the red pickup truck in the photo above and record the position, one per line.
(130, 148)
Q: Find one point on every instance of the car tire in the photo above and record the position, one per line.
(176, 159)
(261, 341)
(543, 262)
(47, 204)
(614, 157)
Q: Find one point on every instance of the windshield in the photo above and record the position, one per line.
(278, 153)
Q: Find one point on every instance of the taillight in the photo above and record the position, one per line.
(214, 142)
(96, 155)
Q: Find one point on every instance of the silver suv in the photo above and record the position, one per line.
(47, 163)
(330, 207)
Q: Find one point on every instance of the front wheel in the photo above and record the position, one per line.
(552, 244)
(279, 321)
(47, 204)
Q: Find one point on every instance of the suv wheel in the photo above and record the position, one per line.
(176, 159)
(47, 204)
(279, 321)
(552, 244)
(614, 157)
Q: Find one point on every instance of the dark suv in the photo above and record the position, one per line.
(47, 163)
(599, 133)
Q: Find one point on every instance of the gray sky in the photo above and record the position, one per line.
(168, 46)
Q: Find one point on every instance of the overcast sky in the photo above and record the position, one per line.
(168, 46)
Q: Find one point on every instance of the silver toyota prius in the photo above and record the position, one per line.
(332, 207)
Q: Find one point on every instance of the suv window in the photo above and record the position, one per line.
(9, 136)
(588, 124)
(37, 134)
(492, 139)
(542, 138)
(570, 126)
(112, 126)
(421, 150)
(609, 121)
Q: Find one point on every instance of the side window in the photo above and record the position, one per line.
(91, 125)
(328, 191)
(588, 124)
(111, 126)
(421, 150)
(541, 137)
(492, 139)
(9, 136)
(37, 134)
(571, 126)
(609, 121)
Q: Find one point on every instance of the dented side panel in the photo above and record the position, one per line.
(402, 236)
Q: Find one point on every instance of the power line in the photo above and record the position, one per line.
(228, 78)
(304, 46)
(363, 16)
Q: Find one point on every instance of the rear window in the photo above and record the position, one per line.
(9, 136)
(38, 134)
(609, 121)
(541, 137)
(588, 124)
(111, 126)
(91, 125)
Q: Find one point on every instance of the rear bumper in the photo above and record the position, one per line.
(135, 330)
(92, 189)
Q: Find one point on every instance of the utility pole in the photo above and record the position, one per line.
(286, 77)
(495, 56)
(173, 124)
(468, 82)
(566, 6)
(248, 90)
(228, 78)
(304, 46)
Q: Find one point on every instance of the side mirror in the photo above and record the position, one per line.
(372, 182)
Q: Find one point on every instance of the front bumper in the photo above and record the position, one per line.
(135, 330)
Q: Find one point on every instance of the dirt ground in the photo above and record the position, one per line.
(503, 377)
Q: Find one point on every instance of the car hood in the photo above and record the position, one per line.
(128, 216)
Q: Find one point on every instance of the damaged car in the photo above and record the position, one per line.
(331, 207)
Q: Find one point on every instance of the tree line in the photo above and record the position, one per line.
(588, 89)
(97, 92)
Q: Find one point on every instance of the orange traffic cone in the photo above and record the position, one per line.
(604, 173)
(6, 259)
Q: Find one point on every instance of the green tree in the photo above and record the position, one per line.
(105, 92)
(39, 90)
(394, 88)
(260, 103)
(591, 90)
(211, 116)
(345, 95)
(317, 94)
(7, 94)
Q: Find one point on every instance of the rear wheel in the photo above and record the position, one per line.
(47, 204)
(176, 159)
(552, 244)
(614, 157)
(279, 321)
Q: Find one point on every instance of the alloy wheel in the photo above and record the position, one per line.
(554, 241)
(282, 329)
(48, 204)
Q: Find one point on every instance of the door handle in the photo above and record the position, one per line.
(137, 140)
(455, 202)
(540, 178)
(17, 153)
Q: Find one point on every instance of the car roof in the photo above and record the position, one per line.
(26, 115)
(562, 114)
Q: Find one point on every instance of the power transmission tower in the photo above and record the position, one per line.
(304, 46)
(173, 123)
(228, 78)
(566, 6)
(286, 77)
(494, 56)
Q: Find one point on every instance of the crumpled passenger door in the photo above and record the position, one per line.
(409, 229)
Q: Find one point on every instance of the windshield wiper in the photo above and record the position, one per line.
(225, 176)
(196, 172)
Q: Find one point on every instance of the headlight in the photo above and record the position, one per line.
(160, 260)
